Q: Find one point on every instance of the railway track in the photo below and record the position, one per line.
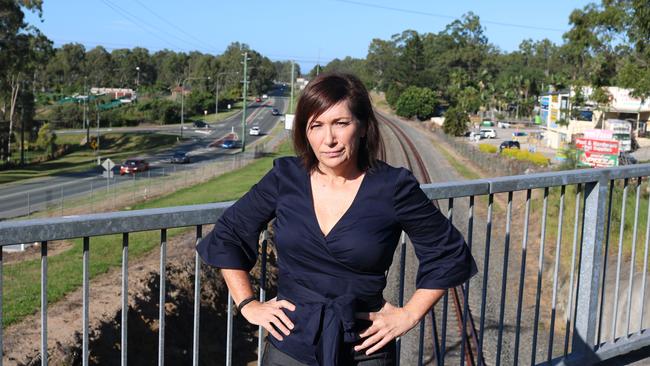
(464, 319)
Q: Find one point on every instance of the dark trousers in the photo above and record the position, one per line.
(384, 357)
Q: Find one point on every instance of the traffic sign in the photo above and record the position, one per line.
(108, 164)
(107, 174)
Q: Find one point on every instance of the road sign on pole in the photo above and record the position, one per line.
(108, 165)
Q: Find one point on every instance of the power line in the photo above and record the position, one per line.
(444, 16)
(171, 24)
(129, 18)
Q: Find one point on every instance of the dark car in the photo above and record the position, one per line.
(230, 144)
(626, 159)
(132, 166)
(509, 145)
(180, 158)
(275, 112)
(200, 124)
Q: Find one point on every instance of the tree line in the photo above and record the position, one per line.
(460, 71)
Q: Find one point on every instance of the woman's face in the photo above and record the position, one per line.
(334, 137)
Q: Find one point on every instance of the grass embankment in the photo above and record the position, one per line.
(22, 279)
(615, 224)
(116, 146)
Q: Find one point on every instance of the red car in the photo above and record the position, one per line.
(258, 99)
(132, 166)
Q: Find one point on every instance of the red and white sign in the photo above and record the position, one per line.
(599, 134)
(597, 146)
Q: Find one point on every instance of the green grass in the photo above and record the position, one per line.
(21, 283)
(113, 145)
(461, 168)
(221, 116)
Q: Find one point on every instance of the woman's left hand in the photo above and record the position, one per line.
(387, 324)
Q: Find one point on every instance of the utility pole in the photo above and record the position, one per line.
(86, 121)
(293, 66)
(245, 93)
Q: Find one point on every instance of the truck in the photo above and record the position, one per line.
(622, 132)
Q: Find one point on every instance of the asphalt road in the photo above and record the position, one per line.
(30, 195)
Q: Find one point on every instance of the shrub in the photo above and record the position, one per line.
(46, 140)
(416, 102)
(487, 148)
(535, 158)
(455, 122)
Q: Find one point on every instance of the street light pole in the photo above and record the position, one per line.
(243, 118)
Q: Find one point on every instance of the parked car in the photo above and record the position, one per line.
(626, 159)
(200, 124)
(503, 125)
(488, 133)
(509, 144)
(180, 158)
(230, 144)
(275, 112)
(132, 166)
(265, 96)
(475, 136)
(258, 99)
(254, 131)
(519, 136)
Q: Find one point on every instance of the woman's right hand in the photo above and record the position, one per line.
(270, 316)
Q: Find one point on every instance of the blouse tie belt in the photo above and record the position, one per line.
(323, 321)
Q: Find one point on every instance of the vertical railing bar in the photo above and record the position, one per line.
(400, 295)
(445, 299)
(260, 330)
(125, 298)
(633, 257)
(522, 277)
(197, 299)
(540, 270)
(589, 269)
(43, 303)
(645, 265)
(470, 227)
(434, 331)
(568, 314)
(229, 332)
(161, 299)
(1, 304)
(486, 262)
(506, 251)
(618, 260)
(86, 298)
(421, 339)
(558, 252)
(605, 253)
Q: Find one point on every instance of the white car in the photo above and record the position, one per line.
(503, 125)
(489, 133)
(254, 131)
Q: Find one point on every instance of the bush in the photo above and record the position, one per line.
(487, 148)
(416, 102)
(455, 122)
(392, 94)
(535, 158)
(46, 140)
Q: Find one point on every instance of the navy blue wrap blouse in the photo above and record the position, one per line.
(330, 277)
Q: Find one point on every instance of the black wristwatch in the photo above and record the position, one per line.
(245, 302)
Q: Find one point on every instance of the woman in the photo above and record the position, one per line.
(339, 214)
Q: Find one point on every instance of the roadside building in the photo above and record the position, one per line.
(115, 93)
(563, 127)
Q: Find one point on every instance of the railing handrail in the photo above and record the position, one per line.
(77, 226)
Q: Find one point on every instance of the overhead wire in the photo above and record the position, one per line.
(445, 16)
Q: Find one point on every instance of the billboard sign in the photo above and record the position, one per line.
(597, 153)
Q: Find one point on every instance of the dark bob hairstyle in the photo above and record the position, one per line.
(322, 93)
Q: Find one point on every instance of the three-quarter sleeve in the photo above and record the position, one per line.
(233, 242)
(444, 258)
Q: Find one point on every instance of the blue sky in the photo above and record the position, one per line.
(306, 31)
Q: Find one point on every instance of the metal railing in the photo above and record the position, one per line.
(515, 306)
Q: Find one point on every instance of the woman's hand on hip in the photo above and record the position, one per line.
(270, 316)
(387, 324)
